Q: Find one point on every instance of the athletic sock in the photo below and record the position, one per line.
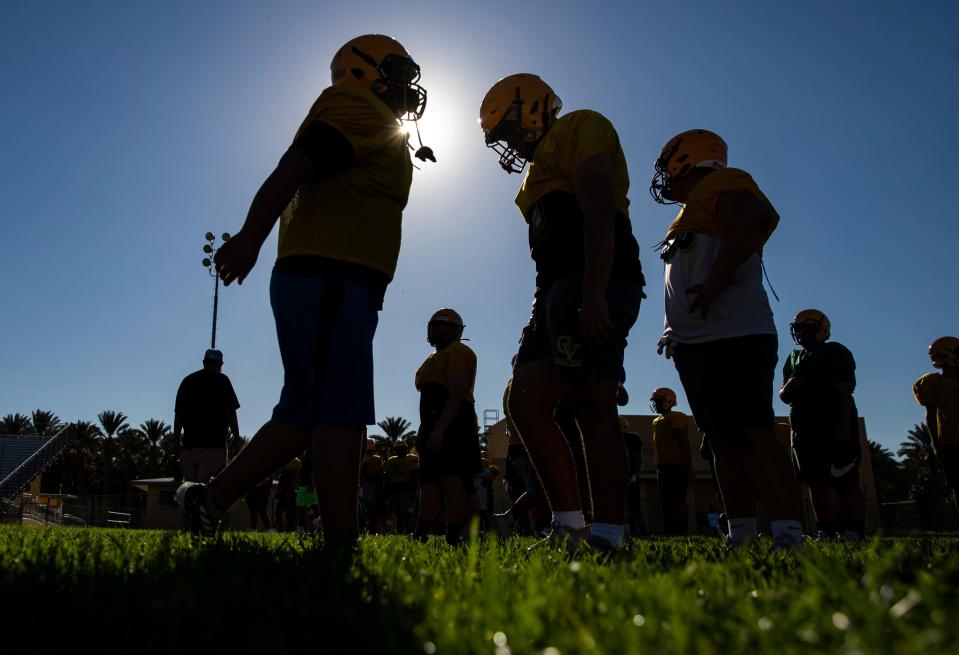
(611, 532)
(788, 529)
(573, 520)
(742, 528)
(828, 529)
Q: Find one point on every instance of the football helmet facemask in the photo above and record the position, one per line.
(684, 152)
(944, 352)
(514, 116)
(809, 326)
(382, 65)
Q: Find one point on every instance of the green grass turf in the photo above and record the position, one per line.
(141, 591)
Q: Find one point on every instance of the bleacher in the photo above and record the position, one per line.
(15, 450)
(23, 458)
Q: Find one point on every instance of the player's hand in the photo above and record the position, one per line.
(705, 294)
(435, 441)
(789, 389)
(236, 258)
(665, 346)
(594, 321)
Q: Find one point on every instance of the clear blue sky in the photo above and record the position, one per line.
(130, 129)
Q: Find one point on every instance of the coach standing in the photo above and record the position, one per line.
(205, 408)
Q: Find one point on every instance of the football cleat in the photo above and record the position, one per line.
(196, 509)
(561, 537)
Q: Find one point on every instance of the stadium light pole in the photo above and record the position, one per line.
(210, 249)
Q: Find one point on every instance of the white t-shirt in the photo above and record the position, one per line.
(739, 310)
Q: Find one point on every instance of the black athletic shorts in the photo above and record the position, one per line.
(729, 382)
(816, 455)
(459, 456)
(553, 329)
(949, 457)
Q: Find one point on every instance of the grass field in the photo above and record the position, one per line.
(139, 591)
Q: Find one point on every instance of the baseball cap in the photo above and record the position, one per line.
(212, 355)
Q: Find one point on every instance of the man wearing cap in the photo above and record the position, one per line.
(205, 408)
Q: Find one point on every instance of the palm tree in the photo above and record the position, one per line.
(154, 430)
(922, 472)
(83, 454)
(111, 422)
(888, 474)
(15, 424)
(917, 444)
(395, 427)
(133, 454)
(46, 424)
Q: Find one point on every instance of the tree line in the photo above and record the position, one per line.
(108, 454)
(105, 456)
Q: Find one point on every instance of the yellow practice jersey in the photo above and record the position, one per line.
(936, 390)
(671, 439)
(457, 358)
(354, 216)
(573, 139)
(699, 213)
(400, 469)
(372, 465)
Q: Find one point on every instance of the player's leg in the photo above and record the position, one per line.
(592, 373)
(454, 492)
(765, 459)
(532, 399)
(595, 402)
(344, 397)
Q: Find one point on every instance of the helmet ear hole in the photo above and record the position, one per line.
(357, 73)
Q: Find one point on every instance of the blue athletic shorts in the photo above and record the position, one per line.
(325, 325)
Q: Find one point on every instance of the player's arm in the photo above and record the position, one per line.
(788, 392)
(236, 258)
(844, 400)
(232, 422)
(177, 428)
(458, 385)
(320, 151)
(747, 222)
(682, 437)
(594, 183)
(932, 423)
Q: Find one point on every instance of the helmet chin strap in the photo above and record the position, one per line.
(423, 153)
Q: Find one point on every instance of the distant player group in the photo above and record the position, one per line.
(339, 191)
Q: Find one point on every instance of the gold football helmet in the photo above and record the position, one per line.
(662, 400)
(682, 153)
(382, 65)
(514, 116)
(809, 325)
(944, 352)
(444, 317)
